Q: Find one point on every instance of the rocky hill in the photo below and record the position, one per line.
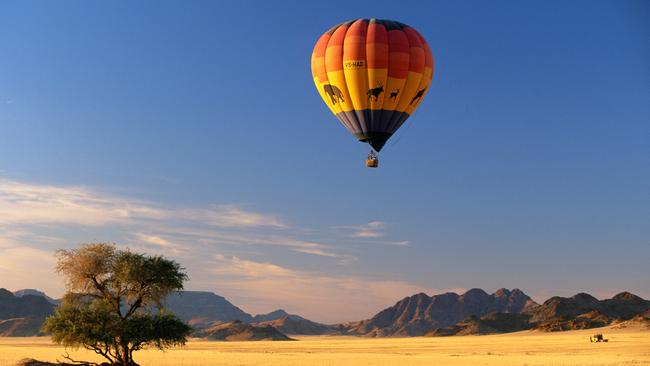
(202, 309)
(240, 331)
(273, 315)
(640, 320)
(583, 311)
(488, 324)
(293, 324)
(22, 316)
(297, 325)
(420, 313)
(469, 326)
(21, 327)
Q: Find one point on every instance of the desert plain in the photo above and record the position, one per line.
(626, 346)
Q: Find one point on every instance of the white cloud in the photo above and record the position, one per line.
(367, 234)
(24, 203)
(376, 224)
(401, 243)
(152, 239)
(373, 229)
(187, 235)
(14, 237)
(232, 216)
(342, 258)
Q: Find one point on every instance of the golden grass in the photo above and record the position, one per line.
(626, 347)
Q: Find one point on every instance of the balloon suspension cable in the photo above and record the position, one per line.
(391, 144)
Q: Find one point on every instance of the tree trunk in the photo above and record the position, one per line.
(125, 355)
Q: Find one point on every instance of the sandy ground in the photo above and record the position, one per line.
(629, 346)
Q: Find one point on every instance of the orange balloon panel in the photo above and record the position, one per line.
(372, 74)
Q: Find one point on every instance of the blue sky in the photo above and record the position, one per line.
(193, 130)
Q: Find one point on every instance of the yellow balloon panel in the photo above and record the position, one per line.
(376, 93)
(356, 80)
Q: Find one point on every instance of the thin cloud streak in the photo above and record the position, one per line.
(232, 216)
(372, 229)
(401, 243)
(153, 239)
(367, 234)
(220, 238)
(26, 203)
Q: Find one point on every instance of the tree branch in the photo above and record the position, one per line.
(97, 349)
(101, 287)
(76, 362)
(134, 307)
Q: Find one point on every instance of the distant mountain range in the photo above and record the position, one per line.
(473, 312)
(205, 310)
(22, 315)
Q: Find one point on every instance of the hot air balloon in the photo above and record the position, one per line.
(372, 74)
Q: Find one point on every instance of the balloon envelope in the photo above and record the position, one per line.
(372, 74)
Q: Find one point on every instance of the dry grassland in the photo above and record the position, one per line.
(626, 347)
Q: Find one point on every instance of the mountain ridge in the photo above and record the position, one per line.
(473, 312)
(580, 311)
(417, 314)
(31, 291)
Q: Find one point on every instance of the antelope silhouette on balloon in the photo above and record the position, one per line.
(418, 96)
(374, 92)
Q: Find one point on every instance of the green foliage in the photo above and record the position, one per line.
(113, 303)
(162, 330)
(83, 324)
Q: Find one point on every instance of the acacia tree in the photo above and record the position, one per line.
(114, 302)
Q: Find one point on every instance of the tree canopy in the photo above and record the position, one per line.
(114, 302)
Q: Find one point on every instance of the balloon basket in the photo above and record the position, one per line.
(372, 163)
